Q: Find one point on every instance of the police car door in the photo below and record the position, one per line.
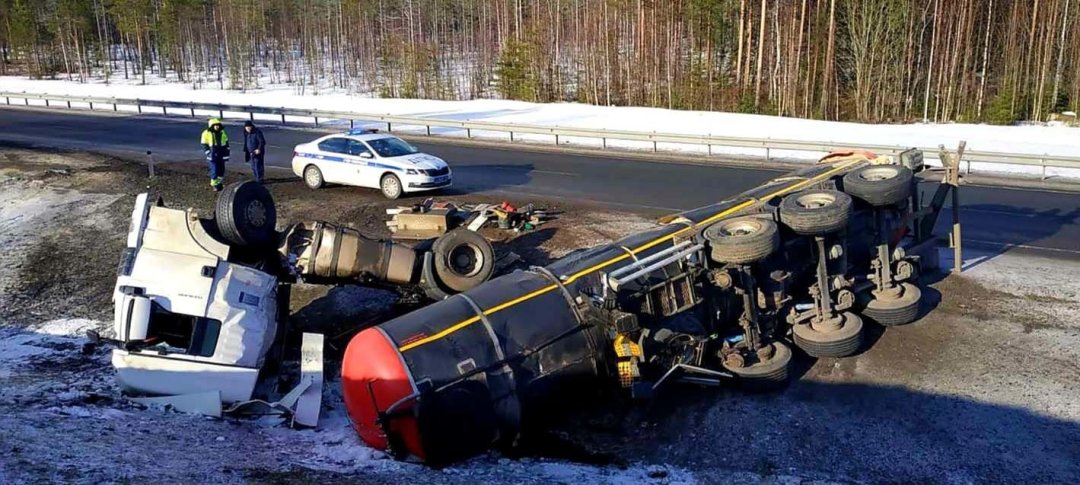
(333, 160)
(363, 172)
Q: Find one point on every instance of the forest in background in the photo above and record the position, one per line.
(997, 61)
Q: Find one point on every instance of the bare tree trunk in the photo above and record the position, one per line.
(760, 54)
(1061, 56)
(985, 59)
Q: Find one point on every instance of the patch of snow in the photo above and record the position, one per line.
(1026, 139)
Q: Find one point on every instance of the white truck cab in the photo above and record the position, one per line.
(188, 320)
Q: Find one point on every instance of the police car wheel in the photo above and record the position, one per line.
(390, 186)
(313, 177)
(246, 215)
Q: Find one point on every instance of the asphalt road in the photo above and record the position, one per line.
(994, 218)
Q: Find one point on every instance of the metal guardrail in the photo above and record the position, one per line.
(767, 144)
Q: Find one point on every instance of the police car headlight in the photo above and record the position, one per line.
(411, 171)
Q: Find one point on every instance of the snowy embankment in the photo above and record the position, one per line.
(1027, 139)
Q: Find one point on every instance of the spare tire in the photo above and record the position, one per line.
(742, 240)
(880, 185)
(246, 215)
(463, 259)
(816, 212)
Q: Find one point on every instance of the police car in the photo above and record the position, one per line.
(367, 158)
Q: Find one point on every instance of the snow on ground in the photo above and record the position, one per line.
(1028, 139)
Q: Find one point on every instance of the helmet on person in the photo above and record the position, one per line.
(212, 122)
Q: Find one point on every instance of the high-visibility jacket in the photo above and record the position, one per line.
(215, 143)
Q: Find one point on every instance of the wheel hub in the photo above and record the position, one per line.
(878, 173)
(815, 200)
(255, 213)
(740, 228)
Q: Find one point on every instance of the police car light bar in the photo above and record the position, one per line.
(362, 131)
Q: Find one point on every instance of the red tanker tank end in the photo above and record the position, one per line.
(374, 380)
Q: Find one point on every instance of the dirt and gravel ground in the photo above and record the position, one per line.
(985, 387)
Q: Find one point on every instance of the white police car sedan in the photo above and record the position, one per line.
(366, 158)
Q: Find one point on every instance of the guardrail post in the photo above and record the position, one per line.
(8, 98)
(283, 118)
(150, 163)
(511, 137)
(69, 104)
(389, 127)
(352, 124)
(428, 129)
(1043, 161)
(603, 142)
(251, 116)
(46, 102)
(114, 106)
(767, 155)
(468, 132)
(221, 114)
(139, 106)
(556, 138)
(968, 169)
(316, 121)
(91, 106)
(654, 147)
(710, 149)
(27, 101)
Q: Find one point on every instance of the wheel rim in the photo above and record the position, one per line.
(876, 174)
(312, 177)
(391, 186)
(465, 260)
(815, 200)
(255, 213)
(740, 228)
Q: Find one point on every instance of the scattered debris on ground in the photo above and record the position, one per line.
(432, 218)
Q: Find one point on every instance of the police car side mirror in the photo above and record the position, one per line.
(366, 155)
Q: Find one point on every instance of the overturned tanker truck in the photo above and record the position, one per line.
(712, 296)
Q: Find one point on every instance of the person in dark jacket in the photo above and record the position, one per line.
(254, 149)
(215, 143)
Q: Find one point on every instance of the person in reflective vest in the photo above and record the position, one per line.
(254, 149)
(215, 143)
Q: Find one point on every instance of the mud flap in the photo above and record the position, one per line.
(311, 369)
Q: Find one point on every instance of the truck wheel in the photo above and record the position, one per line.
(764, 375)
(742, 240)
(891, 310)
(245, 214)
(390, 186)
(830, 341)
(816, 212)
(463, 259)
(879, 185)
(313, 177)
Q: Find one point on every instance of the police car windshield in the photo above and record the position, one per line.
(391, 147)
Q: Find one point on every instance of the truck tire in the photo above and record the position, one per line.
(313, 177)
(246, 215)
(816, 212)
(463, 259)
(880, 185)
(893, 311)
(840, 342)
(765, 375)
(742, 240)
